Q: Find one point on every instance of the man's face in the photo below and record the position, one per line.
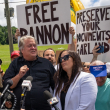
(101, 80)
(30, 50)
(50, 55)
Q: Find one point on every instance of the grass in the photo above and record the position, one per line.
(5, 53)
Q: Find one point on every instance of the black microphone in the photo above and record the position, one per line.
(6, 97)
(9, 83)
(52, 101)
(26, 85)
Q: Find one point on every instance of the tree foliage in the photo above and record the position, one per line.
(4, 35)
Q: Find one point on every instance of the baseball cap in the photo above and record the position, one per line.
(98, 70)
(15, 53)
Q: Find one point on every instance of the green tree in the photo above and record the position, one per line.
(4, 35)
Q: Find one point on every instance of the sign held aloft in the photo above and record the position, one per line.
(46, 21)
(93, 28)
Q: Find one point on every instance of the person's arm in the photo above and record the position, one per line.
(17, 34)
(95, 54)
(1, 71)
(88, 93)
(72, 46)
(21, 73)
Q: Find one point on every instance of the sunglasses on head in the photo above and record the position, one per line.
(66, 57)
(86, 66)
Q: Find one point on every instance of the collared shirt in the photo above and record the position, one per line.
(103, 96)
(42, 72)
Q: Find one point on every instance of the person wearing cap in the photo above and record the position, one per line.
(15, 54)
(98, 69)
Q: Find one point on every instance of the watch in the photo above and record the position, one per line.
(1, 71)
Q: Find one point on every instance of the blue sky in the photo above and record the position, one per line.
(86, 3)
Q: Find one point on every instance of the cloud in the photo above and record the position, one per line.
(102, 3)
(87, 3)
(94, 3)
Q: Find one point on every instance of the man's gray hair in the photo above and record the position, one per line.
(97, 62)
(22, 43)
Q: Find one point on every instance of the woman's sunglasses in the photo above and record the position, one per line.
(86, 66)
(66, 57)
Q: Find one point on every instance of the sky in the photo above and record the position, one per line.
(86, 3)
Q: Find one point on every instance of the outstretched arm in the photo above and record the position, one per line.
(95, 54)
(72, 46)
(17, 34)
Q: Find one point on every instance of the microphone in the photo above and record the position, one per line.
(52, 101)
(9, 83)
(26, 85)
(6, 97)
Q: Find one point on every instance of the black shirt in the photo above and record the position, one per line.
(62, 99)
(42, 72)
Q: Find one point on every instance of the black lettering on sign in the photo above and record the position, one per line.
(35, 13)
(107, 13)
(79, 17)
(56, 27)
(40, 34)
(47, 34)
(96, 26)
(106, 47)
(102, 12)
(81, 50)
(27, 13)
(108, 33)
(44, 11)
(79, 37)
(52, 10)
(65, 33)
(92, 15)
(88, 15)
(96, 14)
(32, 31)
(84, 16)
(23, 32)
(83, 25)
(85, 49)
(89, 49)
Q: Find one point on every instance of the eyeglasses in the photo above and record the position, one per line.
(86, 66)
(66, 57)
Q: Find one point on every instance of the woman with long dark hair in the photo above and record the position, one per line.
(75, 90)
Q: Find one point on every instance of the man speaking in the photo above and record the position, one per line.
(29, 64)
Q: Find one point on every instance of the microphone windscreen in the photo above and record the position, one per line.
(6, 95)
(30, 78)
(47, 95)
(10, 82)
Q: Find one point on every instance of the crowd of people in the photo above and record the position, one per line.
(77, 85)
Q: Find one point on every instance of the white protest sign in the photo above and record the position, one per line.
(93, 28)
(48, 21)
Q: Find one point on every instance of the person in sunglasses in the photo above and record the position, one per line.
(86, 66)
(75, 90)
